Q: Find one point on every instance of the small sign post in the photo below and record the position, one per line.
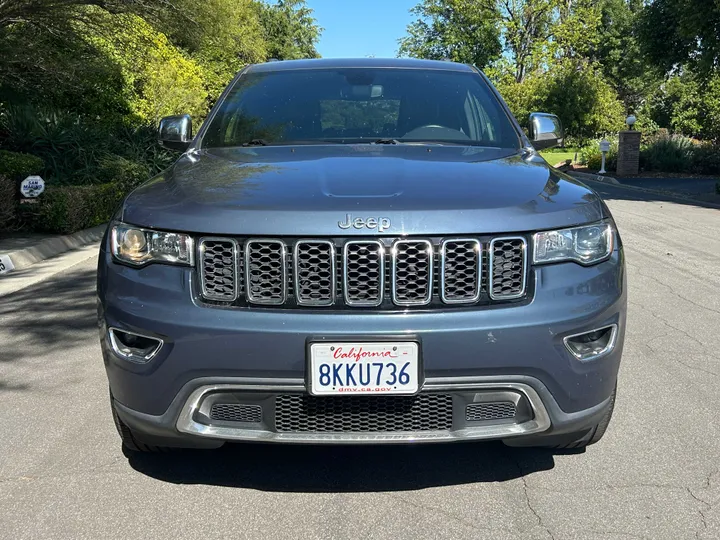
(32, 187)
(604, 148)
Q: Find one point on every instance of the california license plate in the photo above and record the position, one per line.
(364, 368)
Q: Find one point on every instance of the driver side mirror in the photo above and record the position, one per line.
(545, 131)
(175, 132)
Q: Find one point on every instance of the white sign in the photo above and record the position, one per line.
(6, 265)
(32, 186)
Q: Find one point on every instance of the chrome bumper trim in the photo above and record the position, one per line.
(186, 422)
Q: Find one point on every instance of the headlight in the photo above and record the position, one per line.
(136, 246)
(589, 244)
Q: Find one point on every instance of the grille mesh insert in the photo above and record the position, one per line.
(507, 261)
(500, 410)
(314, 273)
(363, 414)
(236, 412)
(461, 270)
(218, 266)
(363, 273)
(412, 272)
(266, 272)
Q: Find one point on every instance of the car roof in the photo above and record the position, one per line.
(339, 63)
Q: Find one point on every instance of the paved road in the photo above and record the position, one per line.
(692, 186)
(655, 475)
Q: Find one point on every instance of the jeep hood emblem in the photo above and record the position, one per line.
(379, 223)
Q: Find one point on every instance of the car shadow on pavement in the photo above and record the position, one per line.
(327, 469)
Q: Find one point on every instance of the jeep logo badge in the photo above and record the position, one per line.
(379, 223)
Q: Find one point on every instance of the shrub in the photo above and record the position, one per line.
(79, 151)
(15, 166)
(66, 209)
(8, 202)
(705, 159)
(591, 157)
(667, 154)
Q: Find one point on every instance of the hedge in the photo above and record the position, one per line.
(66, 209)
(16, 166)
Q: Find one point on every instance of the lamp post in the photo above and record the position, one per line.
(604, 148)
(631, 121)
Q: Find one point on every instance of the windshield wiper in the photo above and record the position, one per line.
(387, 141)
(256, 142)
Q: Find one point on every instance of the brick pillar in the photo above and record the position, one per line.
(628, 161)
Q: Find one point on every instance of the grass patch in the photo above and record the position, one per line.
(553, 158)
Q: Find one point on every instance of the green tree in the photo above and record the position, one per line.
(577, 92)
(458, 30)
(618, 52)
(291, 31)
(675, 32)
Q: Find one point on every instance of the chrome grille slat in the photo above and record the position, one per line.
(218, 268)
(508, 267)
(460, 270)
(266, 277)
(412, 272)
(364, 272)
(314, 272)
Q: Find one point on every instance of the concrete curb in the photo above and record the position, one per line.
(593, 177)
(53, 246)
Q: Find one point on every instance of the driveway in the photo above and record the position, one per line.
(655, 475)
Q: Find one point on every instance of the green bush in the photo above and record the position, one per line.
(8, 203)
(66, 209)
(591, 157)
(16, 166)
(671, 154)
(80, 151)
(705, 159)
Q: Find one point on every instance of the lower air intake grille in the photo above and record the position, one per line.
(363, 414)
(236, 412)
(490, 411)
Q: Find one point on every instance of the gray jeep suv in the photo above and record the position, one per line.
(361, 251)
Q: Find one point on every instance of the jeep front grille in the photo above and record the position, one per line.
(378, 273)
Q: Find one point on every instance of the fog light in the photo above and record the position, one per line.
(593, 344)
(134, 347)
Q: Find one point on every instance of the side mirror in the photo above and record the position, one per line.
(175, 132)
(545, 130)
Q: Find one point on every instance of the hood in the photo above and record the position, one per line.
(312, 190)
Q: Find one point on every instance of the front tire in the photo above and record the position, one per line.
(595, 434)
(129, 438)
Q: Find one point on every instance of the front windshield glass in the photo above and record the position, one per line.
(361, 105)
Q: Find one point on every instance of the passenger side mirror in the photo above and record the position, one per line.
(175, 132)
(545, 130)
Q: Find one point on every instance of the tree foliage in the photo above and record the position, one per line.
(589, 61)
(457, 30)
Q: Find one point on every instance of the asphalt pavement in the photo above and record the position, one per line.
(655, 475)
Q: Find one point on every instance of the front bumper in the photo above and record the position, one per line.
(182, 424)
(518, 348)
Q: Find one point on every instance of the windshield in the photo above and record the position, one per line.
(360, 105)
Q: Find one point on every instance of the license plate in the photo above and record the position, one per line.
(364, 368)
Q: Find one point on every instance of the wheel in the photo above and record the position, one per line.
(596, 433)
(129, 439)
